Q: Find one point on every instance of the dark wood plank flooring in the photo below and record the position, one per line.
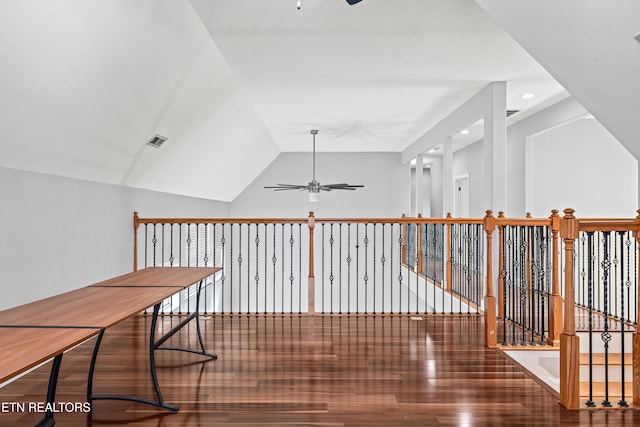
(308, 371)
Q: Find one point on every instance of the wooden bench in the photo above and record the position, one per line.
(33, 333)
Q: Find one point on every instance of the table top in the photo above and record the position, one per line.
(24, 348)
(104, 306)
(160, 276)
(37, 331)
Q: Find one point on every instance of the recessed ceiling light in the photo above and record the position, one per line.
(465, 132)
(527, 95)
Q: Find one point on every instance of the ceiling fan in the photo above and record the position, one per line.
(314, 186)
(351, 2)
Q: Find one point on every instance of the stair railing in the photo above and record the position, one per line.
(601, 294)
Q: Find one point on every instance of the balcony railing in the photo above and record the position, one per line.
(532, 290)
(329, 266)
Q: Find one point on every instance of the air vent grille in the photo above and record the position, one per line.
(157, 141)
(511, 112)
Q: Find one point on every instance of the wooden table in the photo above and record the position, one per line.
(33, 333)
(24, 348)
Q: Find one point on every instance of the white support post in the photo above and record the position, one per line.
(419, 184)
(495, 148)
(447, 176)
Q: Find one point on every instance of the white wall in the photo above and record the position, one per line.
(436, 199)
(386, 191)
(572, 162)
(58, 234)
(580, 165)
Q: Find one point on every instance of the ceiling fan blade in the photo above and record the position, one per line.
(339, 186)
(286, 186)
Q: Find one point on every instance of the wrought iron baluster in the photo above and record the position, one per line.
(257, 276)
(205, 261)
(357, 268)
(240, 268)
(532, 289)
(366, 266)
(146, 238)
(331, 241)
(349, 268)
(291, 277)
(505, 290)
(382, 262)
(300, 269)
(248, 268)
(180, 244)
(374, 268)
(590, 262)
(282, 279)
(266, 257)
(606, 335)
(512, 283)
(171, 246)
(154, 241)
(231, 268)
(322, 268)
(400, 246)
(621, 238)
(223, 253)
(274, 260)
(416, 257)
(340, 269)
(455, 254)
(162, 245)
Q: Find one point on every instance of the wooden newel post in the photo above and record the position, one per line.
(555, 320)
(501, 267)
(569, 341)
(636, 336)
(311, 289)
(135, 240)
(419, 245)
(449, 270)
(490, 299)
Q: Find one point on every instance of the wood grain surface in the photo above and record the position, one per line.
(309, 371)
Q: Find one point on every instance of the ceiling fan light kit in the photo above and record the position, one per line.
(314, 187)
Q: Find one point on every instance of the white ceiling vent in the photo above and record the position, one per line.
(511, 112)
(157, 141)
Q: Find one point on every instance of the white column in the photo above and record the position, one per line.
(447, 176)
(419, 184)
(412, 177)
(495, 149)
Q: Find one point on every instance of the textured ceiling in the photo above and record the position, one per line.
(85, 84)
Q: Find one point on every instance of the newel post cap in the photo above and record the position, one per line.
(311, 221)
(569, 227)
(489, 222)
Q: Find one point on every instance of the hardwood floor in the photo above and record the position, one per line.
(308, 371)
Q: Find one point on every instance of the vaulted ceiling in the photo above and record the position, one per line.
(85, 84)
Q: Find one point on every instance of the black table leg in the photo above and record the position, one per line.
(48, 420)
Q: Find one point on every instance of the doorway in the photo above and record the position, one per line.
(461, 204)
